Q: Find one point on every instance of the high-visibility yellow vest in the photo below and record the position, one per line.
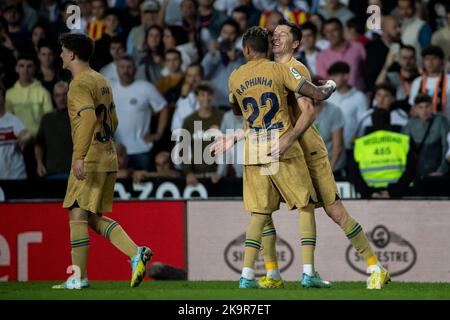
(382, 157)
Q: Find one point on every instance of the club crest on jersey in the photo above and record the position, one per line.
(295, 73)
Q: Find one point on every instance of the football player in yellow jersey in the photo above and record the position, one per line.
(91, 182)
(286, 40)
(274, 167)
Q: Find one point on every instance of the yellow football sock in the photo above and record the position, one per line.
(354, 233)
(307, 234)
(79, 242)
(269, 252)
(253, 238)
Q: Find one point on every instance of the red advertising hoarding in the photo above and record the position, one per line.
(35, 240)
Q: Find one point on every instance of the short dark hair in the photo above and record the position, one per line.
(309, 26)
(173, 50)
(127, 57)
(333, 20)
(81, 45)
(423, 97)
(198, 65)
(203, 86)
(381, 119)
(241, 9)
(357, 23)
(257, 39)
(119, 39)
(294, 28)
(433, 51)
(386, 87)
(179, 33)
(45, 43)
(339, 68)
(408, 47)
(231, 22)
(27, 56)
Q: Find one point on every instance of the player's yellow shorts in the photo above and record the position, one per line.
(94, 194)
(323, 180)
(291, 184)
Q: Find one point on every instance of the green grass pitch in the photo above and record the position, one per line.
(221, 290)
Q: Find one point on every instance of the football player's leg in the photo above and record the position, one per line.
(252, 246)
(310, 277)
(379, 276)
(273, 276)
(79, 239)
(112, 231)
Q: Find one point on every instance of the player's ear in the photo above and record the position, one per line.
(296, 44)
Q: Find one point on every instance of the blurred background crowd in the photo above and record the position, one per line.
(168, 62)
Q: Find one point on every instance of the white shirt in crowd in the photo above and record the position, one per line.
(110, 72)
(134, 105)
(352, 104)
(431, 86)
(12, 165)
(185, 106)
(398, 118)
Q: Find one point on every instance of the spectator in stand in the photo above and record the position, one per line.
(60, 25)
(321, 42)
(38, 33)
(95, 27)
(351, 101)
(116, 50)
(53, 148)
(434, 82)
(175, 37)
(383, 162)
(164, 169)
(47, 73)
(30, 16)
(123, 171)
(220, 61)
(253, 13)
(309, 51)
(210, 119)
(442, 36)
(28, 99)
(13, 139)
(335, 9)
(355, 29)
(49, 11)
(384, 98)
(428, 131)
(7, 60)
(150, 15)
(233, 158)
(131, 16)
(210, 21)
(377, 50)
(193, 75)
(151, 61)
(187, 103)
(401, 75)
(189, 19)
(240, 15)
(353, 53)
(18, 34)
(289, 11)
(172, 62)
(415, 31)
(113, 30)
(170, 12)
(330, 123)
(273, 17)
(135, 101)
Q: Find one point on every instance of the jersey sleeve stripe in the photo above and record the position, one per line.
(84, 108)
(302, 81)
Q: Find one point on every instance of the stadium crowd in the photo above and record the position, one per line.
(168, 62)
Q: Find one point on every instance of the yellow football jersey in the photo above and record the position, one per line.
(311, 142)
(91, 106)
(260, 88)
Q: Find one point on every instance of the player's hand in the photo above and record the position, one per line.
(221, 144)
(41, 171)
(279, 146)
(78, 169)
(191, 179)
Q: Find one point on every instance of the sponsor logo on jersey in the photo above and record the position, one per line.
(393, 251)
(295, 73)
(234, 256)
